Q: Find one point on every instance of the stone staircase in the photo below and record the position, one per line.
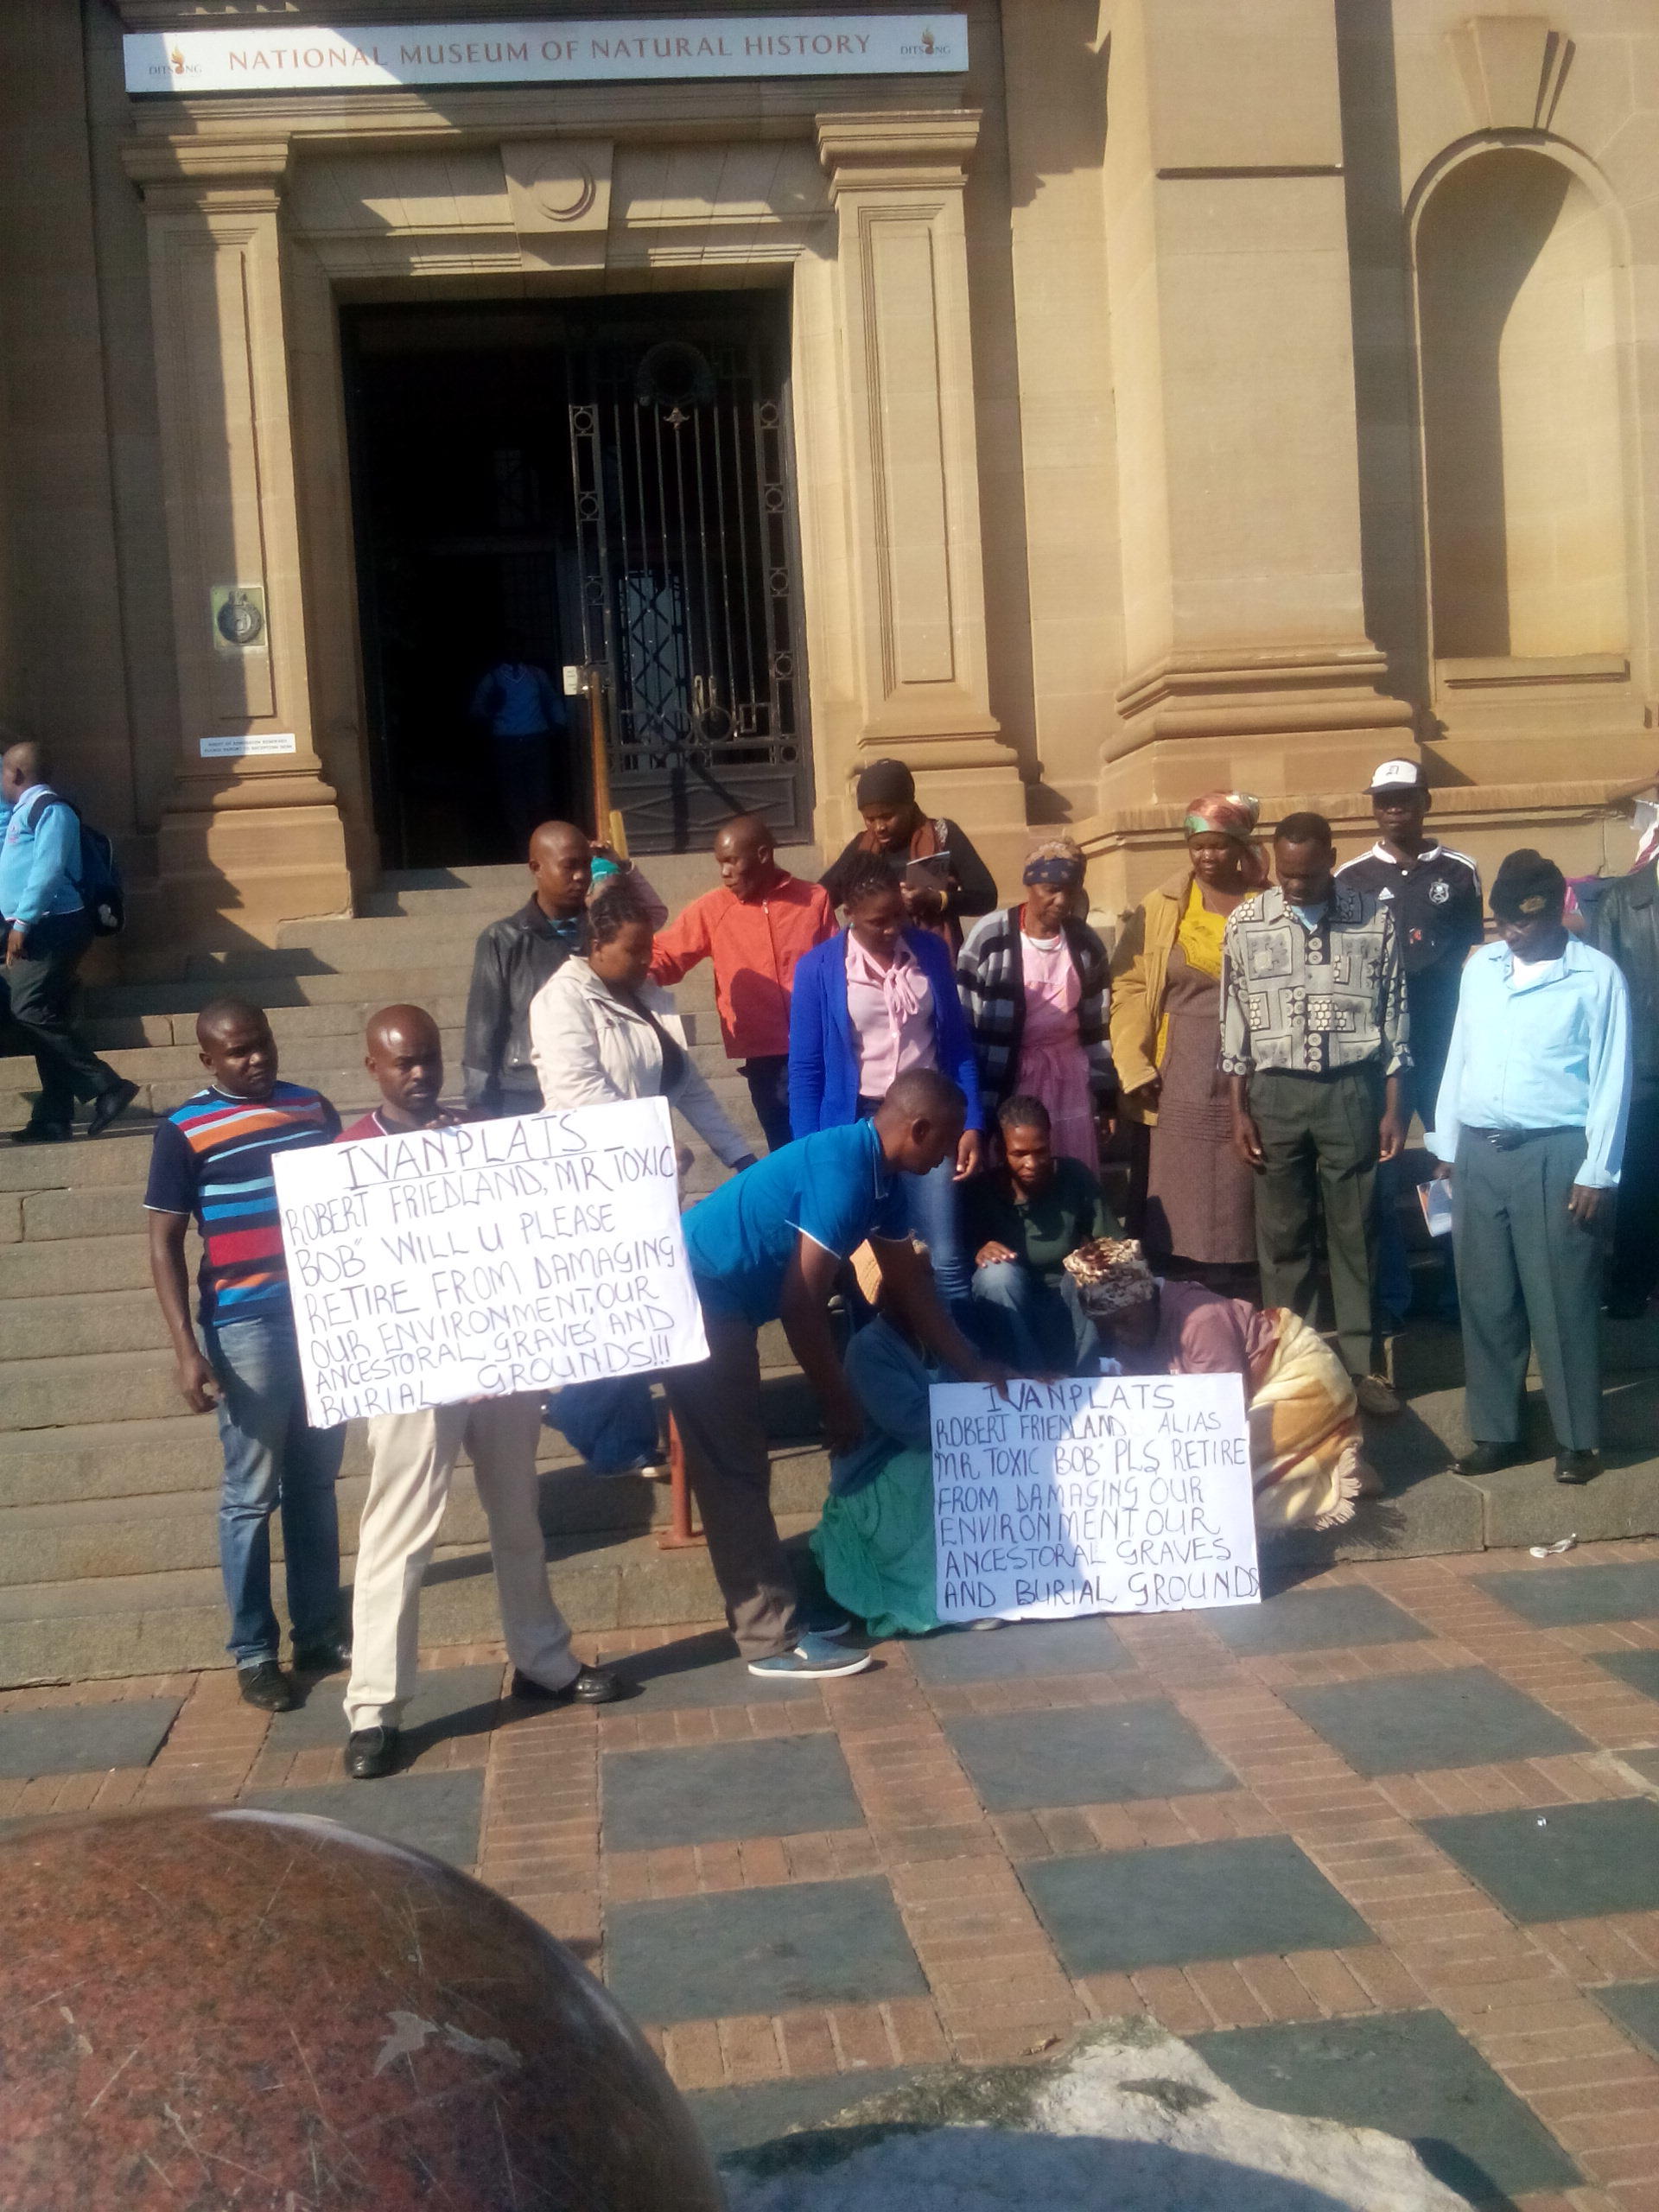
(108, 1545)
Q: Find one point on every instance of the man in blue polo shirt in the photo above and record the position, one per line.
(765, 1247)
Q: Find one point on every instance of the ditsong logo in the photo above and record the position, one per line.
(929, 47)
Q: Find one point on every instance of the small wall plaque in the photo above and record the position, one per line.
(238, 618)
(241, 749)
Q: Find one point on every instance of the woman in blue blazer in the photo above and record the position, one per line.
(875, 1000)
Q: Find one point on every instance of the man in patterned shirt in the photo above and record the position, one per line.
(1314, 1040)
(212, 1162)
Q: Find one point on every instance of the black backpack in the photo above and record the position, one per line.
(98, 876)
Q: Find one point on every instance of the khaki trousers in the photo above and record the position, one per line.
(729, 1463)
(412, 1457)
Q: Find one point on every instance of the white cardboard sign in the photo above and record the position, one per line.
(1107, 1494)
(267, 57)
(487, 1258)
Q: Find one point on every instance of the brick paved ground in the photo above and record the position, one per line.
(1397, 1791)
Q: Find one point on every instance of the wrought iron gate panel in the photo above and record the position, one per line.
(685, 545)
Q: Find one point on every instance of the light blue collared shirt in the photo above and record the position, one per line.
(40, 853)
(1551, 1051)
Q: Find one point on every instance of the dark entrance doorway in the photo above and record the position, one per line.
(605, 484)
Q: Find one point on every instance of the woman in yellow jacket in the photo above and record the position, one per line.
(1200, 1201)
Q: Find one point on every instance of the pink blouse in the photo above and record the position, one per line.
(891, 1010)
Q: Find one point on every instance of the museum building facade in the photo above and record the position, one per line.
(1089, 402)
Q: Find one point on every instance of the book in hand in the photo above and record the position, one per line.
(931, 872)
(1435, 1199)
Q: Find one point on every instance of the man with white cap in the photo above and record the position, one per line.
(1435, 897)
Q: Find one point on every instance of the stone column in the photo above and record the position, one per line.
(243, 842)
(1245, 646)
(912, 468)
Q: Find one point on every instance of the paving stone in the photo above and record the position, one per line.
(1023, 1648)
(447, 1701)
(1116, 1910)
(1573, 1596)
(738, 2119)
(1402, 1724)
(1314, 1620)
(768, 1951)
(1635, 2005)
(782, 1785)
(84, 1738)
(700, 1671)
(1640, 1669)
(1085, 1755)
(1409, 2074)
(1564, 1864)
(439, 1813)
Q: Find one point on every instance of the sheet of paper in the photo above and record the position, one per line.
(1113, 1494)
(491, 1257)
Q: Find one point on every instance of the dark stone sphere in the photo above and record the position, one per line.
(202, 2009)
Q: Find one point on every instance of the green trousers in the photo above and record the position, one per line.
(1320, 1134)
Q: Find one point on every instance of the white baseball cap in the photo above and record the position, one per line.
(1398, 776)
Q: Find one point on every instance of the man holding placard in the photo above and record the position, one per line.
(411, 1463)
(767, 1246)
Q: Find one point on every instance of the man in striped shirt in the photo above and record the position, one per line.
(212, 1163)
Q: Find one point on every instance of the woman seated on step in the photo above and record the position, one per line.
(875, 1544)
(1307, 1467)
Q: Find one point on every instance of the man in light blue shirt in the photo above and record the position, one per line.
(1529, 1125)
(46, 930)
(516, 703)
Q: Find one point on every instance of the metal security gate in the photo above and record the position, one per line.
(685, 540)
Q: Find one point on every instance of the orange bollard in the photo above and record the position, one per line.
(679, 1535)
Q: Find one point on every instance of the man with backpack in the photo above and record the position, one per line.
(49, 916)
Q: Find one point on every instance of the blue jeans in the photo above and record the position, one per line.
(1038, 1326)
(935, 1209)
(272, 1460)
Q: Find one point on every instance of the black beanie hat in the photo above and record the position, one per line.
(1527, 884)
(887, 783)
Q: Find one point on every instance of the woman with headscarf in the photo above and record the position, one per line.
(1035, 987)
(1198, 1205)
(1307, 1469)
(943, 877)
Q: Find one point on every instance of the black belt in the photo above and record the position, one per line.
(1511, 1140)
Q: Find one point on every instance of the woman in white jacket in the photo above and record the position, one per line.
(599, 1029)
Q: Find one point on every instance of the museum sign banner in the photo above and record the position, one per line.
(260, 59)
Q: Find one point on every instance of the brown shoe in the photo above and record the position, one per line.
(1378, 1397)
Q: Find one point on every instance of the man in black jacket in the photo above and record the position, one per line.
(1625, 925)
(514, 958)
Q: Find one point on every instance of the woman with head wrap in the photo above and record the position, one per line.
(943, 877)
(1307, 1467)
(1035, 987)
(1193, 1198)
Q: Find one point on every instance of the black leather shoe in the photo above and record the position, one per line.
(1487, 1458)
(267, 1687)
(371, 1753)
(593, 1686)
(43, 1133)
(109, 1105)
(1576, 1466)
(328, 1657)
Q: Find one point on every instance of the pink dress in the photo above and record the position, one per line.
(1052, 1063)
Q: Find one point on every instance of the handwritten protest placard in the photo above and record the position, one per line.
(491, 1257)
(1112, 1494)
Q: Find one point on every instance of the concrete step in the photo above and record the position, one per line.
(64, 1266)
(174, 1622)
(112, 1538)
(676, 877)
(119, 1160)
(291, 979)
(81, 1387)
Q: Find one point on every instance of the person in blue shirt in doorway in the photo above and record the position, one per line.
(1529, 1126)
(46, 930)
(516, 703)
(767, 1246)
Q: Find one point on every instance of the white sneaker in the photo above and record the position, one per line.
(814, 1659)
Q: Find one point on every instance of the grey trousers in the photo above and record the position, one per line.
(1526, 1268)
(717, 1404)
(1320, 1134)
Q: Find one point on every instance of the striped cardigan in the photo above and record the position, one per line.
(990, 976)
